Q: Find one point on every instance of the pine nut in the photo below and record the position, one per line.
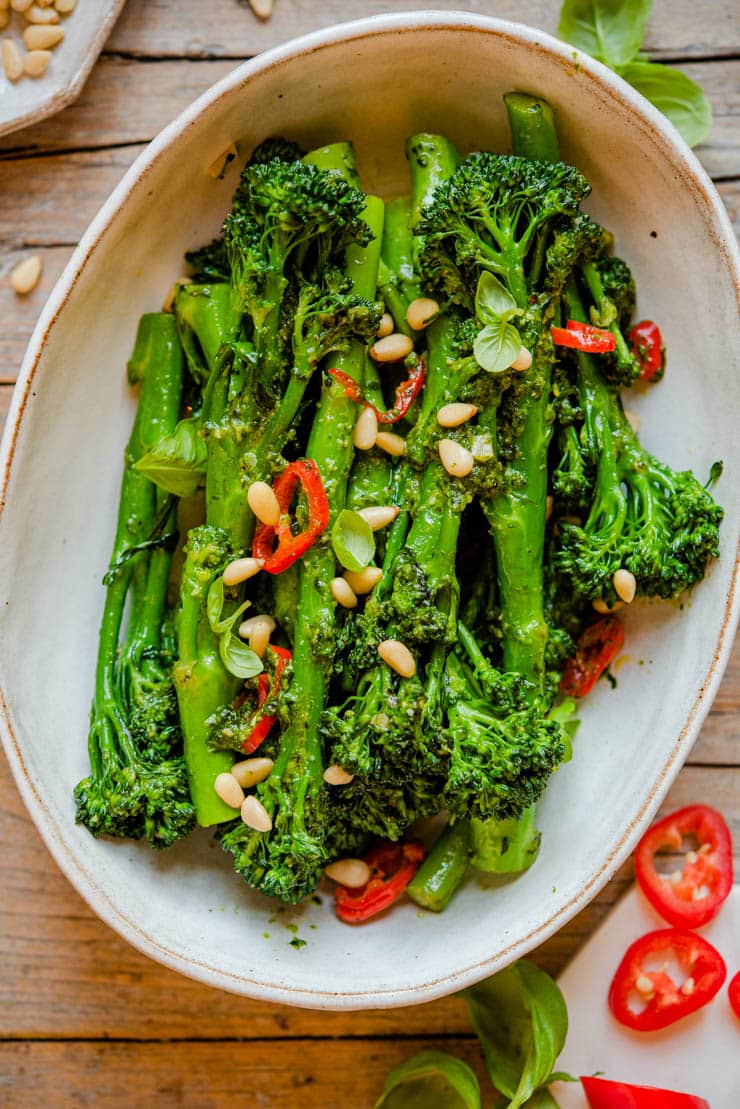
(391, 443)
(36, 62)
(337, 776)
(379, 515)
(632, 419)
(456, 459)
(26, 275)
(644, 985)
(64, 7)
(366, 430)
(35, 14)
(398, 657)
(386, 325)
(549, 502)
(421, 312)
(255, 815)
(687, 987)
(20, 5)
(4, 5)
(262, 8)
(393, 348)
(217, 168)
(523, 360)
(12, 61)
(45, 3)
(600, 606)
(263, 502)
(229, 790)
(625, 585)
(4, 18)
(242, 569)
(343, 593)
(363, 581)
(257, 631)
(352, 873)
(249, 772)
(39, 37)
(452, 415)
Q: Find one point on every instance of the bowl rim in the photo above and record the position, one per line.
(672, 146)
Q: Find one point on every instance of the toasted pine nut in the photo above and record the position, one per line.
(363, 581)
(393, 348)
(379, 515)
(337, 776)
(36, 62)
(26, 275)
(45, 3)
(255, 815)
(4, 5)
(12, 60)
(249, 772)
(64, 7)
(452, 415)
(549, 502)
(343, 593)
(398, 657)
(386, 325)
(217, 168)
(644, 985)
(421, 312)
(4, 18)
(625, 585)
(40, 37)
(20, 5)
(456, 459)
(229, 790)
(632, 419)
(391, 443)
(263, 502)
(242, 569)
(262, 8)
(257, 630)
(522, 361)
(366, 430)
(35, 14)
(600, 606)
(352, 873)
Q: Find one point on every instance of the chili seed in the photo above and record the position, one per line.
(392, 348)
(337, 776)
(379, 515)
(452, 415)
(366, 430)
(218, 165)
(687, 987)
(644, 985)
(343, 593)
(257, 631)
(35, 14)
(391, 443)
(421, 312)
(263, 502)
(523, 360)
(386, 325)
(456, 459)
(398, 657)
(691, 857)
(676, 878)
(229, 790)
(241, 569)
(249, 772)
(36, 62)
(262, 8)
(12, 61)
(363, 581)
(625, 585)
(352, 873)
(255, 815)
(40, 37)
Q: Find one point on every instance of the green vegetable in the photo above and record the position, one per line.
(353, 540)
(431, 1080)
(443, 869)
(505, 846)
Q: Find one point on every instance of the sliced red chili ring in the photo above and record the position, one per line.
(664, 1000)
(646, 343)
(406, 393)
(604, 1094)
(263, 724)
(596, 649)
(733, 992)
(584, 337)
(693, 896)
(276, 544)
(392, 866)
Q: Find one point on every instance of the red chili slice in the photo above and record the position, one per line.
(665, 1001)
(584, 337)
(263, 724)
(603, 1094)
(695, 894)
(597, 648)
(646, 344)
(406, 393)
(290, 547)
(392, 866)
(733, 992)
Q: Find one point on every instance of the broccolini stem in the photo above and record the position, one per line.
(396, 279)
(432, 160)
(532, 126)
(337, 157)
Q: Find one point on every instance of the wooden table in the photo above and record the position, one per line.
(84, 1019)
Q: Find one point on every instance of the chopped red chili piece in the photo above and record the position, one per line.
(733, 992)
(262, 723)
(664, 1000)
(694, 895)
(603, 1094)
(597, 648)
(277, 544)
(392, 866)
(583, 336)
(406, 393)
(646, 344)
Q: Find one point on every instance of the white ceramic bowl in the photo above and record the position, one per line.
(376, 82)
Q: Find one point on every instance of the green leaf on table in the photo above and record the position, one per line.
(493, 300)
(237, 656)
(675, 95)
(177, 463)
(496, 346)
(431, 1080)
(353, 540)
(609, 30)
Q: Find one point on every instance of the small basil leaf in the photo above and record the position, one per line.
(496, 346)
(237, 657)
(715, 473)
(353, 540)
(609, 30)
(432, 1078)
(492, 299)
(177, 463)
(675, 95)
(541, 1099)
(215, 605)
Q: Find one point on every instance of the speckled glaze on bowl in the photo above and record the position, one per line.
(374, 81)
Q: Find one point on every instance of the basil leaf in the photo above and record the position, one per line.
(492, 299)
(609, 30)
(353, 540)
(237, 657)
(177, 463)
(215, 604)
(521, 1021)
(496, 346)
(432, 1078)
(541, 1099)
(675, 95)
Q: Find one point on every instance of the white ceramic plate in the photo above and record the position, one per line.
(375, 81)
(28, 100)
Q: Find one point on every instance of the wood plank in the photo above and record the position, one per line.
(6, 392)
(676, 28)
